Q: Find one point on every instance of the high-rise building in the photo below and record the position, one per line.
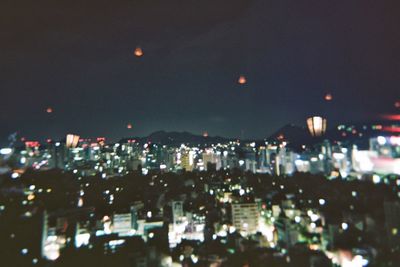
(245, 217)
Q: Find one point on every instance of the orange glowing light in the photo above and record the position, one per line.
(49, 110)
(138, 52)
(129, 126)
(242, 79)
(328, 97)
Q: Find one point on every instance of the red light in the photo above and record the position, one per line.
(129, 126)
(397, 104)
(393, 129)
(32, 144)
(49, 110)
(392, 117)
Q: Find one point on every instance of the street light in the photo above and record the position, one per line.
(316, 125)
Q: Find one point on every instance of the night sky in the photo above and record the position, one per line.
(78, 59)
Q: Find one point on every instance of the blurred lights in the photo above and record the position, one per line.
(328, 97)
(6, 151)
(381, 140)
(138, 52)
(242, 79)
(376, 179)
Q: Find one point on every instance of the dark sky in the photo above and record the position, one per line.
(77, 57)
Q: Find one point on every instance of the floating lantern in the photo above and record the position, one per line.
(138, 52)
(316, 125)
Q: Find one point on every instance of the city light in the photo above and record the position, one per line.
(6, 151)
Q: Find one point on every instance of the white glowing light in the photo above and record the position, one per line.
(314, 217)
(376, 179)
(5, 151)
(322, 201)
(381, 140)
(338, 156)
(82, 240)
(195, 259)
(345, 226)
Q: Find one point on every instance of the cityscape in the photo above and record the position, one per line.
(200, 134)
(194, 200)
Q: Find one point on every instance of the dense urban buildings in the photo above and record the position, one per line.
(191, 201)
